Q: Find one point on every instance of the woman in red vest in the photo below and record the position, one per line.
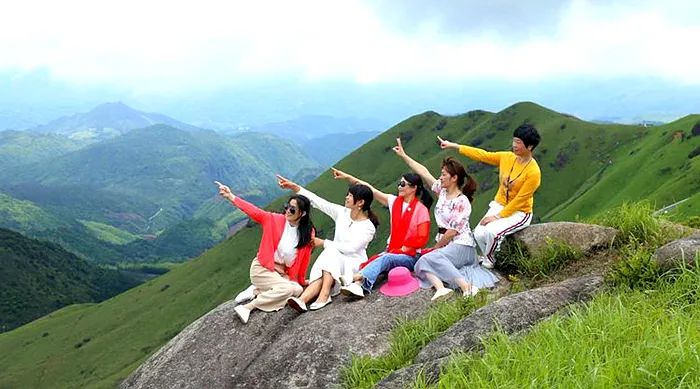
(279, 269)
(410, 230)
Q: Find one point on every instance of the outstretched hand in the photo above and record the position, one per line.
(398, 149)
(287, 184)
(339, 174)
(446, 144)
(224, 190)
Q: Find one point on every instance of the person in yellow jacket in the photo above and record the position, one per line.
(519, 177)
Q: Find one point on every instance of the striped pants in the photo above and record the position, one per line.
(490, 236)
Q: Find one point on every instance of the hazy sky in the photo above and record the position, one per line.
(162, 47)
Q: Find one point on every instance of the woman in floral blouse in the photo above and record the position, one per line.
(453, 259)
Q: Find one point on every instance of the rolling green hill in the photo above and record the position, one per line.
(40, 277)
(155, 182)
(23, 147)
(583, 166)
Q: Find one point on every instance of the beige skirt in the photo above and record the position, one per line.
(273, 289)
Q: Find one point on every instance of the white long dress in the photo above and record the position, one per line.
(348, 249)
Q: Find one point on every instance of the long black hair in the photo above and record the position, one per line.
(306, 226)
(421, 192)
(465, 182)
(363, 192)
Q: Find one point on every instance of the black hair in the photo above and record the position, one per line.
(306, 226)
(465, 182)
(422, 193)
(528, 134)
(363, 192)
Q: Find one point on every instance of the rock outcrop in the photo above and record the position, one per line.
(511, 314)
(288, 350)
(276, 350)
(585, 237)
(685, 250)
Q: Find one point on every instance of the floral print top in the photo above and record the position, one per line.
(453, 214)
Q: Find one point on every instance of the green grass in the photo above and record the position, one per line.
(406, 340)
(108, 233)
(635, 223)
(625, 338)
(515, 258)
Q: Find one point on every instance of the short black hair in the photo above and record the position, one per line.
(528, 134)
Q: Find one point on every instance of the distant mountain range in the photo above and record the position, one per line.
(106, 192)
(106, 121)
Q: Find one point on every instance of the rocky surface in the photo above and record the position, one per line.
(685, 249)
(511, 314)
(585, 237)
(288, 350)
(276, 350)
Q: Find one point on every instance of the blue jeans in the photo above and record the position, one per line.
(383, 264)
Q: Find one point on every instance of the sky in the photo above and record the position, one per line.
(157, 53)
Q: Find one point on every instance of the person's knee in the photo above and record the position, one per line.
(294, 289)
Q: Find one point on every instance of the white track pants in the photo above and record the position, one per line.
(490, 236)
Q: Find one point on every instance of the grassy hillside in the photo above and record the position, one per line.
(574, 156)
(40, 277)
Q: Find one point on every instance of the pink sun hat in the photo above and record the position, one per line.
(400, 283)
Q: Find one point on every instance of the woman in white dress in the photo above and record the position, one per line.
(355, 226)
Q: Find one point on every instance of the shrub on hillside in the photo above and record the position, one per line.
(441, 125)
(694, 153)
(696, 129)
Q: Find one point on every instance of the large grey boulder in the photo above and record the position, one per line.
(685, 250)
(584, 237)
(276, 350)
(511, 314)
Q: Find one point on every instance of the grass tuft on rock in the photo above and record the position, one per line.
(515, 258)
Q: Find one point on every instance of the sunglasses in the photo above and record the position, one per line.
(403, 183)
(291, 209)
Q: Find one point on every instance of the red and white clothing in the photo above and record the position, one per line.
(274, 289)
(417, 228)
(286, 251)
(343, 255)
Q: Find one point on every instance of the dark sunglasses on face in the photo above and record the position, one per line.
(403, 183)
(291, 209)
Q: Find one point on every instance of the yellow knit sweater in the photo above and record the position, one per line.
(517, 182)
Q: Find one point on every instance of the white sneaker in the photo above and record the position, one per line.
(317, 305)
(485, 262)
(353, 290)
(297, 304)
(243, 313)
(473, 291)
(245, 295)
(441, 294)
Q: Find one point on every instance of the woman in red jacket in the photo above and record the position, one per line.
(410, 230)
(279, 269)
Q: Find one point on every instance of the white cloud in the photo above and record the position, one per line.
(175, 45)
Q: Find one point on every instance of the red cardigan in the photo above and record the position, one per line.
(273, 226)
